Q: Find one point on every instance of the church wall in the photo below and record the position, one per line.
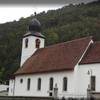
(84, 73)
(77, 77)
(78, 82)
(21, 88)
(27, 52)
(11, 87)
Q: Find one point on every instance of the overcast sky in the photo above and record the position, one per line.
(10, 10)
(11, 13)
(31, 2)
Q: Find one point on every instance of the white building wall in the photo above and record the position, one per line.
(11, 87)
(83, 78)
(21, 88)
(77, 74)
(78, 81)
(27, 52)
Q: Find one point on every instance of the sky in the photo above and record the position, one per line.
(10, 11)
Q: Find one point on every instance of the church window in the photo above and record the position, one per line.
(37, 43)
(39, 84)
(28, 83)
(65, 84)
(93, 79)
(51, 84)
(26, 42)
(21, 80)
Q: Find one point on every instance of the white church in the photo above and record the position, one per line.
(70, 68)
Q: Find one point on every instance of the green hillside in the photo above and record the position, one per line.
(67, 23)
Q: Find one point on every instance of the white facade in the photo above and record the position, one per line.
(84, 73)
(27, 52)
(77, 84)
(21, 88)
(11, 87)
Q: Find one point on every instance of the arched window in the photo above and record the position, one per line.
(21, 80)
(26, 42)
(51, 84)
(65, 84)
(39, 84)
(28, 83)
(37, 42)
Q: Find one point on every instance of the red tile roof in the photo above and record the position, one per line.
(92, 55)
(62, 56)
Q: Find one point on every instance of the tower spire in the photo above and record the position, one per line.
(35, 25)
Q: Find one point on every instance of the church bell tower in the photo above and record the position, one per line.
(32, 40)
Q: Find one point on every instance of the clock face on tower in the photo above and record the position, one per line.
(37, 42)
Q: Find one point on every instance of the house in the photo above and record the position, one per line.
(3, 90)
(65, 69)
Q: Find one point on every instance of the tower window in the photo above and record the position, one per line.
(51, 84)
(37, 43)
(26, 42)
(39, 84)
(65, 84)
(28, 83)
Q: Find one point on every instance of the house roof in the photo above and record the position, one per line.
(92, 55)
(59, 57)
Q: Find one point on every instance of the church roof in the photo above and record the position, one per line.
(59, 57)
(92, 55)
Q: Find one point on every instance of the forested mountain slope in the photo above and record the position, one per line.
(67, 23)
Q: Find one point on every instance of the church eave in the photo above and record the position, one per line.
(42, 72)
(41, 36)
